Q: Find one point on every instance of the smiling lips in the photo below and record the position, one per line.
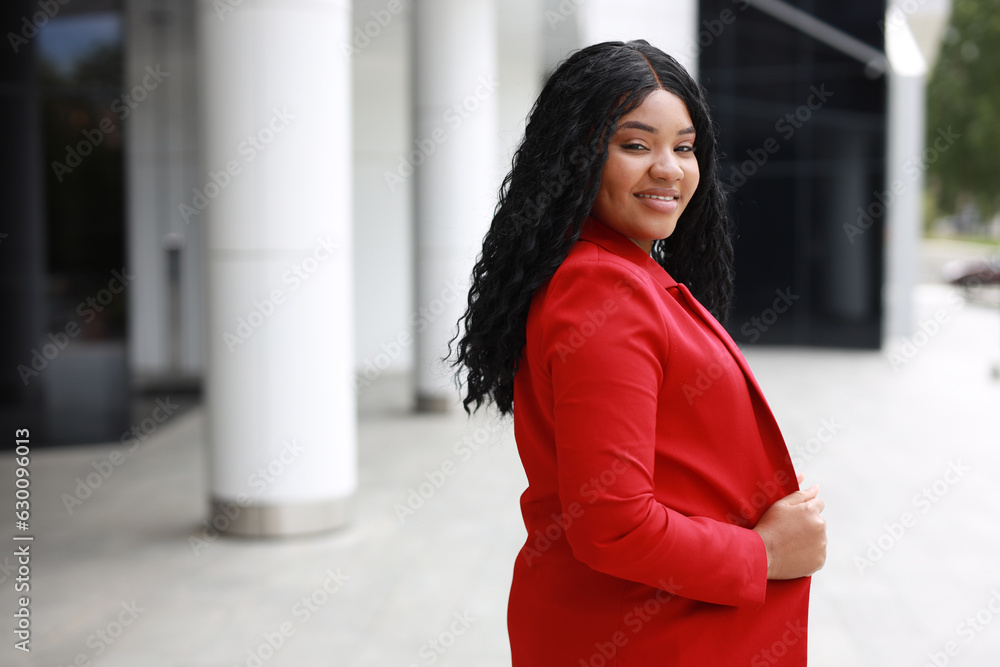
(664, 202)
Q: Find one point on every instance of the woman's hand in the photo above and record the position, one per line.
(794, 535)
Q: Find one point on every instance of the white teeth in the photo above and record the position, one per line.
(658, 197)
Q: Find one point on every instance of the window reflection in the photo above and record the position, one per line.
(80, 70)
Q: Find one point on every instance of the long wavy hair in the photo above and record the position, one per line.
(551, 187)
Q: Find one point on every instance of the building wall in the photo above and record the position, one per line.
(803, 150)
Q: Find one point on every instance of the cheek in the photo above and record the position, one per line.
(616, 190)
(694, 177)
(614, 179)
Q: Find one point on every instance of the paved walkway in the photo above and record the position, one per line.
(904, 447)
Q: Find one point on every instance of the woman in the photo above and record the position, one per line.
(664, 522)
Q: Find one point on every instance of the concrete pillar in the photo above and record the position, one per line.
(276, 209)
(456, 177)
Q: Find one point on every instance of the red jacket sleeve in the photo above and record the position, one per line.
(605, 342)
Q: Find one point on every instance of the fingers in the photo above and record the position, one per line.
(816, 504)
(802, 495)
(800, 477)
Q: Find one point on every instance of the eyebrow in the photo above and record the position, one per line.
(636, 125)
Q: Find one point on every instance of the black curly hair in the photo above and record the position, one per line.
(552, 184)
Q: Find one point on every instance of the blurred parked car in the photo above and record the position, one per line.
(972, 272)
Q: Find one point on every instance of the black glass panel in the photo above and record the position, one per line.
(803, 140)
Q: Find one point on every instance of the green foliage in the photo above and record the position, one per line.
(964, 93)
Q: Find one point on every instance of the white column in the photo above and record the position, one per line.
(275, 205)
(455, 172)
(905, 128)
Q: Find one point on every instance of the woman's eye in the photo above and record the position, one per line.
(685, 149)
(633, 147)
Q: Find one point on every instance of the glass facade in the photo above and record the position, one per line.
(803, 142)
(80, 65)
(64, 354)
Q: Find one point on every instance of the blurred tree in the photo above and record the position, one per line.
(964, 94)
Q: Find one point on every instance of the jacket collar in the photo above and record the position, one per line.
(600, 234)
(597, 232)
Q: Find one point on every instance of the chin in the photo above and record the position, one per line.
(667, 233)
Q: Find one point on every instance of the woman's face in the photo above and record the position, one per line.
(651, 173)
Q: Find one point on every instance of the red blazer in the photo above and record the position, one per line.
(650, 452)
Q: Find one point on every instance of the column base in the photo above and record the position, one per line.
(435, 404)
(288, 520)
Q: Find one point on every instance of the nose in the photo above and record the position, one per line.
(666, 166)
